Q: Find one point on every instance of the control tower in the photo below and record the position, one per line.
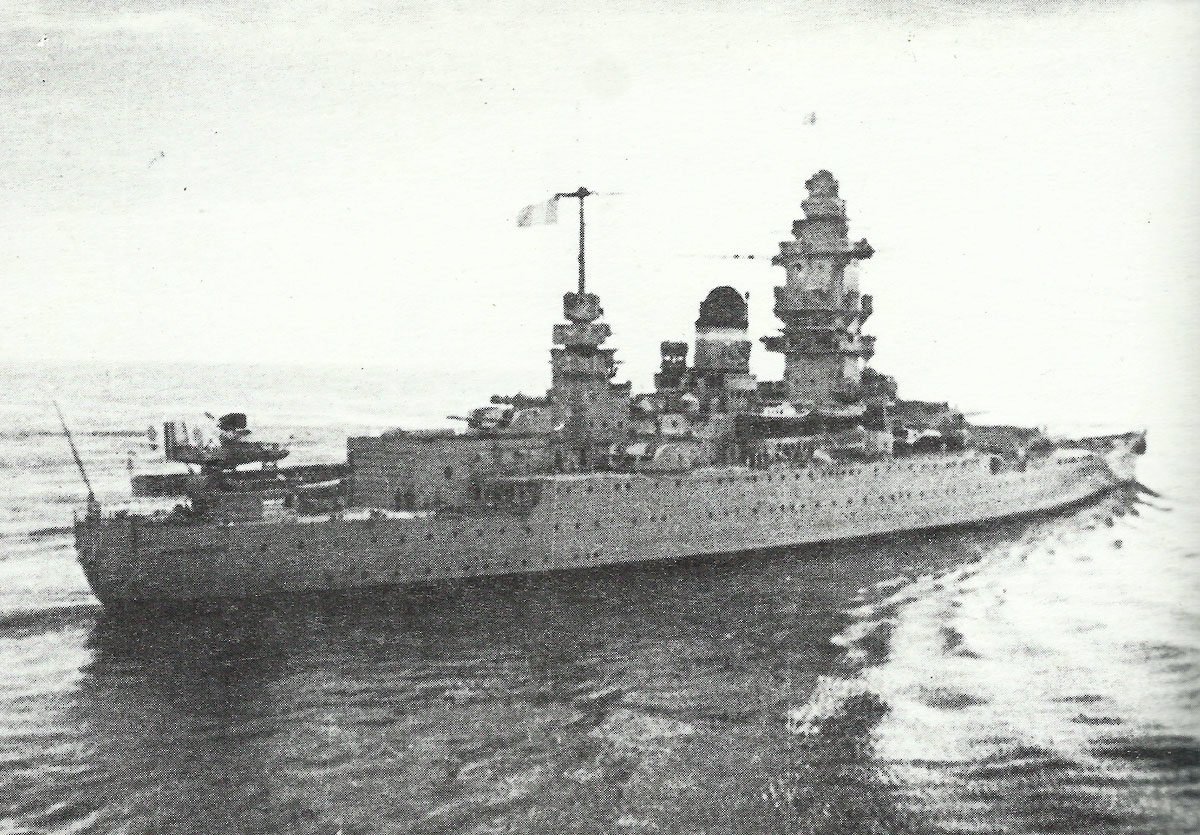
(820, 306)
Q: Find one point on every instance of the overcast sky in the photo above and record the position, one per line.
(321, 182)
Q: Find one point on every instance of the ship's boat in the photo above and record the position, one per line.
(711, 461)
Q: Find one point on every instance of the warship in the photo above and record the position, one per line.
(712, 461)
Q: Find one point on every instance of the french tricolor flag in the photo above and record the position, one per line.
(539, 213)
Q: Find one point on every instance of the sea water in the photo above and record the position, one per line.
(1033, 675)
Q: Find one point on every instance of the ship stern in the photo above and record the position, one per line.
(104, 548)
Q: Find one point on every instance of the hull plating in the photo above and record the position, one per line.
(580, 522)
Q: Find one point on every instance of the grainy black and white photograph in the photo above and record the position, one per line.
(630, 417)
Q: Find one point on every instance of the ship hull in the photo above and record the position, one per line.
(581, 522)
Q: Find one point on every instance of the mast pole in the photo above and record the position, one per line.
(580, 193)
(75, 453)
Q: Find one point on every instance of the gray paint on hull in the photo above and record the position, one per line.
(581, 522)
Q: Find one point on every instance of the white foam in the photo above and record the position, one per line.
(825, 702)
(1062, 614)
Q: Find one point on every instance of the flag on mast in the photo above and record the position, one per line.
(539, 213)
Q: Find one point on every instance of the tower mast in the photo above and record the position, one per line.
(593, 410)
(820, 305)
